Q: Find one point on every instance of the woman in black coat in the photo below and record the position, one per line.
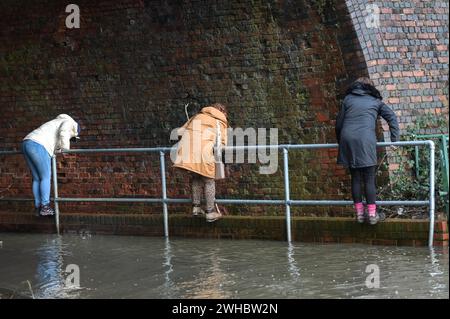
(356, 135)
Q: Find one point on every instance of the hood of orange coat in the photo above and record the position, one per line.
(215, 113)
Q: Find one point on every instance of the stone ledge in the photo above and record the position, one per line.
(402, 232)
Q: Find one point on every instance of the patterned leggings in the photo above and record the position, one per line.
(198, 181)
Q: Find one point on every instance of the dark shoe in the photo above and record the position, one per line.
(46, 210)
(36, 211)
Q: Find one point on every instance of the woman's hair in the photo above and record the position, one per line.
(222, 108)
(365, 80)
(366, 84)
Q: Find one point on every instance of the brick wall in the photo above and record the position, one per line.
(128, 71)
(406, 52)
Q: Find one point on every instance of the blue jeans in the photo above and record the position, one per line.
(39, 162)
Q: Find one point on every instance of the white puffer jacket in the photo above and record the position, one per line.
(56, 134)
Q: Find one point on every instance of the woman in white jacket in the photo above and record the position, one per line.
(38, 148)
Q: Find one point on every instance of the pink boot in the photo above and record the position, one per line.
(373, 216)
(359, 208)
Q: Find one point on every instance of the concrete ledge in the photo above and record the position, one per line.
(304, 229)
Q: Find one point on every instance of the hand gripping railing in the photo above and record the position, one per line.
(287, 201)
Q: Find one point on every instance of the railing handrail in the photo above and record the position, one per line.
(243, 147)
(287, 201)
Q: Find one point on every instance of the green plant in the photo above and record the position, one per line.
(405, 183)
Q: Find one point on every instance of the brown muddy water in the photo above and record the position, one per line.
(48, 266)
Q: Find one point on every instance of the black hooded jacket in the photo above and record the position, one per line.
(356, 126)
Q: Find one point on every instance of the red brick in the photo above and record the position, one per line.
(441, 236)
(441, 226)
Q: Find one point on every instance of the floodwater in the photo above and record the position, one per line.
(35, 265)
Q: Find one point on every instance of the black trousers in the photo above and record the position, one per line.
(366, 176)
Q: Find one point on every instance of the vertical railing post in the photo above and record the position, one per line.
(287, 195)
(432, 201)
(164, 193)
(444, 169)
(55, 192)
(416, 158)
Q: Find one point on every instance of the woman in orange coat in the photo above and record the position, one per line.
(195, 153)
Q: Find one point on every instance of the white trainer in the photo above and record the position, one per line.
(197, 211)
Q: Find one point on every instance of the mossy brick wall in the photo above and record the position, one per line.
(128, 71)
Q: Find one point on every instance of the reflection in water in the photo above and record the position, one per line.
(49, 269)
(209, 283)
(50, 272)
(434, 263)
(292, 263)
(145, 267)
(169, 285)
(435, 272)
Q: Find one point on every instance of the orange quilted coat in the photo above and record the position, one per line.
(195, 150)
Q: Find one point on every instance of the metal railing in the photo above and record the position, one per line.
(287, 201)
(444, 165)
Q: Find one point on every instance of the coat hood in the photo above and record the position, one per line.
(358, 88)
(215, 113)
(65, 116)
(68, 117)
